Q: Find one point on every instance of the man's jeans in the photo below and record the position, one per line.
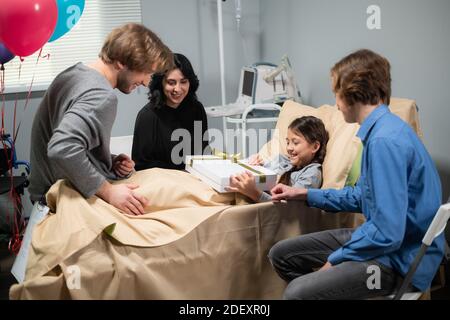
(296, 260)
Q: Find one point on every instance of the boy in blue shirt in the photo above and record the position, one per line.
(399, 192)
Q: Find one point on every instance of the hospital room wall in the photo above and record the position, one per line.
(191, 27)
(414, 36)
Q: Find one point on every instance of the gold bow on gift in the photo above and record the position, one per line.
(225, 156)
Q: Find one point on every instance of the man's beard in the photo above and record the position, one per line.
(123, 83)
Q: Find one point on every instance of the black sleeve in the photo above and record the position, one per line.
(204, 118)
(145, 146)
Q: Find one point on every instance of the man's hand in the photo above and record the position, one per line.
(326, 266)
(255, 160)
(123, 198)
(123, 165)
(284, 192)
(245, 183)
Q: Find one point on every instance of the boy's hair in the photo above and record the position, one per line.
(313, 129)
(137, 48)
(362, 77)
(156, 92)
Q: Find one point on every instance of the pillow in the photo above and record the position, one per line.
(355, 170)
(341, 166)
(341, 148)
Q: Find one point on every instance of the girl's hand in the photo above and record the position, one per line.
(245, 183)
(256, 160)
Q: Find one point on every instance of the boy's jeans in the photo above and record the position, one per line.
(296, 260)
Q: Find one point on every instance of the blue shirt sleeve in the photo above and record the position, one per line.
(347, 199)
(384, 187)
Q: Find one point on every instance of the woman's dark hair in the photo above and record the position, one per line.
(156, 94)
(313, 130)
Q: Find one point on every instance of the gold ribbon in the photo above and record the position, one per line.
(225, 156)
(262, 176)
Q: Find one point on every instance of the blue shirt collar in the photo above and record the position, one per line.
(370, 121)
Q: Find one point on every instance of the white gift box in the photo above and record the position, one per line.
(216, 172)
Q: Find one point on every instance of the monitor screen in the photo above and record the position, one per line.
(247, 84)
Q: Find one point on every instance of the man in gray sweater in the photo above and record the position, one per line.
(71, 131)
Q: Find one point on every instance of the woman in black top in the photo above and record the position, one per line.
(173, 113)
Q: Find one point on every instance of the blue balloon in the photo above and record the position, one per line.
(5, 54)
(69, 12)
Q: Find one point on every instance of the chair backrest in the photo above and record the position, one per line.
(435, 229)
(438, 224)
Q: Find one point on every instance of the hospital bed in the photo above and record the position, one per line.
(193, 243)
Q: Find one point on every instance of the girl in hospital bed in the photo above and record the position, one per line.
(306, 146)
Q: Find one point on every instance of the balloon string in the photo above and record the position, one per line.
(17, 99)
(18, 222)
(2, 132)
(2, 80)
(2, 84)
(32, 79)
(47, 56)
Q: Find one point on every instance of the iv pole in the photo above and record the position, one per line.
(222, 56)
(221, 51)
(222, 67)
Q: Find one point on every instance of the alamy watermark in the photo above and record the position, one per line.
(374, 19)
(374, 280)
(229, 141)
(73, 277)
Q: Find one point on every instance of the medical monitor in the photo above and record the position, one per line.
(247, 86)
(248, 83)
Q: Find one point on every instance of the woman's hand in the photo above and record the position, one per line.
(245, 183)
(123, 165)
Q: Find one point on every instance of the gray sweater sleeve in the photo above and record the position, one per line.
(80, 131)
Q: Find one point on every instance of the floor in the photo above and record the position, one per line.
(6, 279)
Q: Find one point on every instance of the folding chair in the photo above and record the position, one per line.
(436, 227)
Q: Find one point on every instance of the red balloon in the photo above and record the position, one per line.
(26, 25)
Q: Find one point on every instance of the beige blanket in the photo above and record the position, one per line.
(189, 246)
(178, 202)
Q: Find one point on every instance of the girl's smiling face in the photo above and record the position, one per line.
(300, 151)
